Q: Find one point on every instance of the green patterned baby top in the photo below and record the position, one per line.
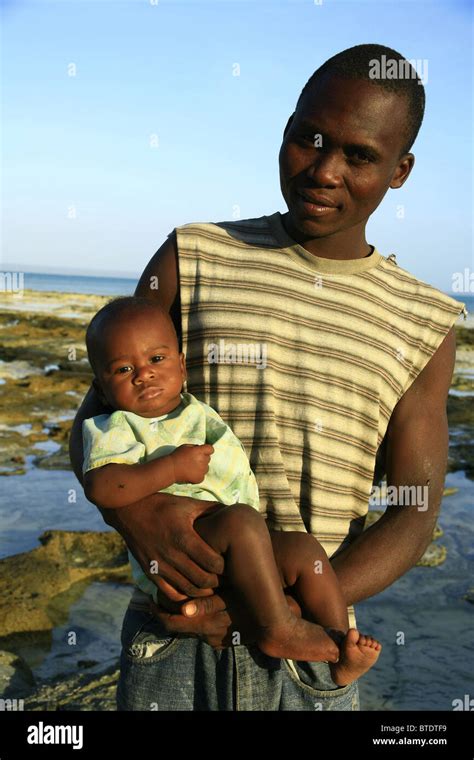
(127, 438)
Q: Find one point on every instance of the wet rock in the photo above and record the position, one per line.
(434, 555)
(38, 587)
(57, 461)
(469, 596)
(449, 492)
(82, 691)
(16, 677)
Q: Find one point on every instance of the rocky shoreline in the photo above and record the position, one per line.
(43, 366)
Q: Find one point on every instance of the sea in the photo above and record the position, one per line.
(118, 286)
(68, 283)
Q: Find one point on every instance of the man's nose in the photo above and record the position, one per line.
(143, 373)
(326, 169)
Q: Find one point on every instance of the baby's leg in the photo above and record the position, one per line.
(305, 566)
(240, 533)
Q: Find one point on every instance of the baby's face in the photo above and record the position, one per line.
(141, 369)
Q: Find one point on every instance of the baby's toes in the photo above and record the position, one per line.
(362, 640)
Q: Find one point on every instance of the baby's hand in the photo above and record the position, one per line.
(191, 462)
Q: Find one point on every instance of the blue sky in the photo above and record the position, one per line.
(82, 144)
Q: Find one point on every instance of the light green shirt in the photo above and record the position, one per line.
(126, 438)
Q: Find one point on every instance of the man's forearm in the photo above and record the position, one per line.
(381, 555)
(393, 545)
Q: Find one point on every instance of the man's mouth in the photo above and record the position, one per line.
(315, 205)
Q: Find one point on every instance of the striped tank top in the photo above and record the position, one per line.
(305, 359)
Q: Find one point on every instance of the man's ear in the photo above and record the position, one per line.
(288, 124)
(98, 389)
(402, 172)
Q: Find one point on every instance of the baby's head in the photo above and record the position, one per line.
(134, 353)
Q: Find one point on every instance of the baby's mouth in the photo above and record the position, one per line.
(150, 392)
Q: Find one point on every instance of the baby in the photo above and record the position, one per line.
(163, 439)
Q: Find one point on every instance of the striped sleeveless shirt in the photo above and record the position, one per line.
(305, 359)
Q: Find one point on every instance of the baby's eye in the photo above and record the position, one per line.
(157, 358)
(122, 370)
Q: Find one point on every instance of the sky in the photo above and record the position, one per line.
(122, 119)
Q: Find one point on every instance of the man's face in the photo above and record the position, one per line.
(141, 369)
(362, 133)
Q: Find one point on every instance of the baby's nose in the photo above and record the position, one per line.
(145, 372)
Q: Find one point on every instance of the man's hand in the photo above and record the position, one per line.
(191, 462)
(160, 529)
(220, 619)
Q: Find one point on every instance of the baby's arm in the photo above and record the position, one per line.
(119, 485)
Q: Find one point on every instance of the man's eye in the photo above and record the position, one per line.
(157, 358)
(360, 157)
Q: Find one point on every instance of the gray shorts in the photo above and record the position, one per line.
(163, 671)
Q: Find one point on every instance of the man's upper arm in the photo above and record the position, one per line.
(417, 435)
(429, 391)
(160, 277)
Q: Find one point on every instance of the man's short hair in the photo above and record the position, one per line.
(357, 62)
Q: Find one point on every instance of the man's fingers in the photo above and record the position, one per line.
(209, 605)
(173, 608)
(174, 623)
(174, 585)
(202, 556)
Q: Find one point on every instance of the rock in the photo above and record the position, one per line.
(434, 555)
(449, 492)
(38, 587)
(469, 596)
(16, 678)
(82, 691)
(57, 461)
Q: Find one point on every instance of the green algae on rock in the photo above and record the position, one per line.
(38, 587)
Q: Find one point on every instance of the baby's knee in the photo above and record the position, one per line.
(305, 545)
(240, 518)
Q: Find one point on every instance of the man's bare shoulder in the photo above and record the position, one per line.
(160, 277)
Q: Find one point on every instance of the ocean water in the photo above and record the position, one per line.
(66, 283)
(111, 286)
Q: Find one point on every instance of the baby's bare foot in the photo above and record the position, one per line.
(358, 654)
(298, 639)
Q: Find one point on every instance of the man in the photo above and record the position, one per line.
(316, 350)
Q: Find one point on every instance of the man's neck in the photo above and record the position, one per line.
(348, 244)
